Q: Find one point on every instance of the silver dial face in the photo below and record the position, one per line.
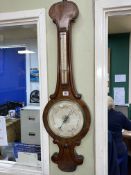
(65, 118)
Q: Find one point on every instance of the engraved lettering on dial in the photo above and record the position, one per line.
(65, 118)
(63, 51)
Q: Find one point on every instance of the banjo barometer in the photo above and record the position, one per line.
(66, 116)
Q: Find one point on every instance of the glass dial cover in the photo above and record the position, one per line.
(65, 118)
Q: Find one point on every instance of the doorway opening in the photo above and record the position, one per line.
(119, 70)
(23, 76)
(103, 10)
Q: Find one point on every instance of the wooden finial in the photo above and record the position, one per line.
(63, 13)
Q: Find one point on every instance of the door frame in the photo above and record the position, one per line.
(103, 9)
(22, 18)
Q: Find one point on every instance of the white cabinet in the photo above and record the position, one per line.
(30, 125)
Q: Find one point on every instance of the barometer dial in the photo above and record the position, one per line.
(65, 118)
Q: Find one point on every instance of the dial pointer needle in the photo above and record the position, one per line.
(64, 121)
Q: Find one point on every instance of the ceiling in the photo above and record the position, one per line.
(119, 24)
